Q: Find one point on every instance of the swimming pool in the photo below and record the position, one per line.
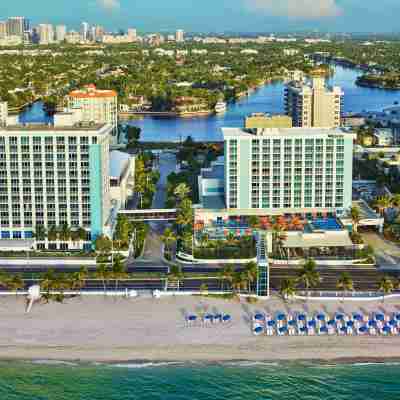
(325, 224)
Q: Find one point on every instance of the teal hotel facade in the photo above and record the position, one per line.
(53, 176)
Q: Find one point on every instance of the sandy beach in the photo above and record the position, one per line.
(117, 330)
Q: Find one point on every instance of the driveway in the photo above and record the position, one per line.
(387, 253)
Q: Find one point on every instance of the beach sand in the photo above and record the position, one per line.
(117, 330)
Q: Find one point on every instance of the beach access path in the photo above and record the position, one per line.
(119, 329)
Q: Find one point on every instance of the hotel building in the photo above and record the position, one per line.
(98, 106)
(315, 104)
(52, 176)
(288, 170)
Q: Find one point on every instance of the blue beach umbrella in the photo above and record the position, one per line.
(357, 317)
(218, 316)
(259, 317)
(350, 324)
(281, 317)
(192, 317)
(301, 317)
(226, 318)
(371, 322)
(343, 329)
(379, 317)
(208, 316)
(392, 322)
(324, 329)
(312, 322)
(303, 329)
(271, 322)
(259, 329)
(397, 316)
(292, 322)
(386, 329)
(363, 328)
(339, 317)
(283, 329)
(321, 317)
(331, 322)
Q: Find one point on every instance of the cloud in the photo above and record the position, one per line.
(109, 5)
(304, 9)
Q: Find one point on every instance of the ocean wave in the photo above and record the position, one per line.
(54, 362)
(146, 364)
(250, 363)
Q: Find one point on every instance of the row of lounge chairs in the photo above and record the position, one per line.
(323, 324)
(207, 319)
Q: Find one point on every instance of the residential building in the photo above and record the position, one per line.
(54, 175)
(16, 26)
(73, 37)
(98, 106)
(261, 120)
(3, 29)
(180, 36)
(84, 31)
(61, 32)
(132, 34)
(46, 34)
(288, 170)
(315, 104)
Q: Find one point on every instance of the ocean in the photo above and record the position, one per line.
(175, 381)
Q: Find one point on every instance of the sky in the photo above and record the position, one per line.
(214, 15)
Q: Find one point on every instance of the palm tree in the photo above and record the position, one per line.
(118, 270)
(48, 281)
(4, 279)
(309, 275)
(386, 286)
(168, 238)
(278, 237)
(52, 234)
(355, 216)
(240, 281)
(65, 233)
(382, 203)
(40, 233)
(345, 283)
(103, 273)
(396, 200)
(181, 191)
(251, 270)
(288, 288)
(16, 283)
(227, 274)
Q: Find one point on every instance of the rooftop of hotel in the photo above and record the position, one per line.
(118, 163)
(35, 127)
(239, 132)
(90, 91)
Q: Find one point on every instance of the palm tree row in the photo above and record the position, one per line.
(238, 280)
(63, 233)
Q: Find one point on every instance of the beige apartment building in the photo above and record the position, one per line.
(314, 104)
(98, 106)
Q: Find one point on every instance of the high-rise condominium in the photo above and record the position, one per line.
(98, 106)
(85, 31)
(61, 32)
(315, 104)
(179, 36)
(46, 34)
(3, 29)
(52, 176)
(132, 34)
(288, 170)
(16, 26)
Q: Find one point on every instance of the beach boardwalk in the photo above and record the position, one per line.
(263, 267)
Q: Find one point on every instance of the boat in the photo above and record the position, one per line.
(220, 107)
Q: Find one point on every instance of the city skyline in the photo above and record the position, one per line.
(237, 15)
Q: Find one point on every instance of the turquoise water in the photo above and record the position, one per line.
(244, 381)
(268, 98)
